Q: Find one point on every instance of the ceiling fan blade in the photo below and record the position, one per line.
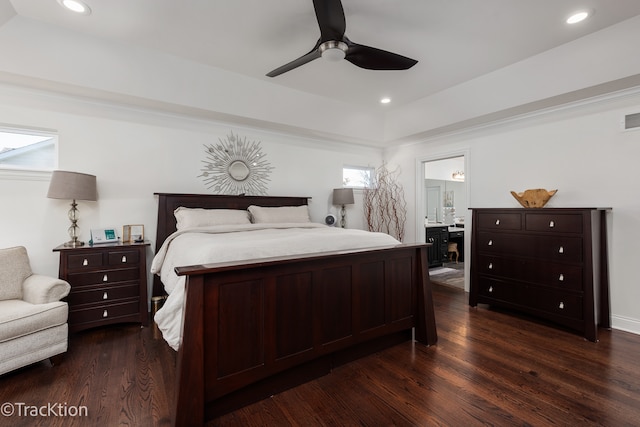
(331, 21)
(377, 59)
(314, 54)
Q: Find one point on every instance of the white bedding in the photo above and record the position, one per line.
(243, 242)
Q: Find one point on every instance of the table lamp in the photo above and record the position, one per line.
(342, 197)
(73, 186)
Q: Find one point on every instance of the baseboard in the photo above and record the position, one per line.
(626, 324)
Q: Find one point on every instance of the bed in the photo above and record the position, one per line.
(254, 327)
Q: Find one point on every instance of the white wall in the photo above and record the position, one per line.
(579, 150)
(133, 154)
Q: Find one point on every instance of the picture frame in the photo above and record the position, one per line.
(133, 233)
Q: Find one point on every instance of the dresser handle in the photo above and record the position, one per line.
(561, 278)
(490, 266)
(105, 314)
(561, 250)
(497, 222)
(105, 278)
(124, 258)
(561, 306)
(105, 296)
(490, 243)
(85, 262)
(490, 288)
(552, 224)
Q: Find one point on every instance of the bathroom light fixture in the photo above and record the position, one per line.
(578, 17)
(458, 176)
(76, 6)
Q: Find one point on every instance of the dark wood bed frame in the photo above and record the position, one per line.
(256, 328)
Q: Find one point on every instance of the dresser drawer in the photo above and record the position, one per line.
(561, 223)
(123, 258)
(85, 261)
(499, 221)
(497, 290)
(562, 276)
(103, 294)
(555, 302)
(560, 248)
(105, 313)
(103, 277)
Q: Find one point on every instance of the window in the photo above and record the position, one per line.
(28, 150)
(357, 176)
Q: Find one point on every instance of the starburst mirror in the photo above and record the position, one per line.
(235, 166)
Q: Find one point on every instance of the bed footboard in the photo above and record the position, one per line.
(248, 325)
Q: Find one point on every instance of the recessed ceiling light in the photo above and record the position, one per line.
(578, 17)
(76, 6)
(385, 100)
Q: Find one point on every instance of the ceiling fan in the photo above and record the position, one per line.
(334, 45)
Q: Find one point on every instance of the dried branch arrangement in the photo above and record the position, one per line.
(385, 208)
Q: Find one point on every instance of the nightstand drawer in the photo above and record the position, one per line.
(105, 313)
(103, 277)
(123, 258)
(103, 294)
(85, 261)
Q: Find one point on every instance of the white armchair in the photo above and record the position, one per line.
(33, 320)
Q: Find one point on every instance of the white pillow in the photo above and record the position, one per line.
(199, 217)
(280, 214)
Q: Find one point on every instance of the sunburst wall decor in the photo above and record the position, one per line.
(235, 166)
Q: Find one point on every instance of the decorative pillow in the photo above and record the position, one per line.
(280, 214)
(14, 268)
(198, 217)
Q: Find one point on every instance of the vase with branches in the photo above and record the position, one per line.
(385, 207)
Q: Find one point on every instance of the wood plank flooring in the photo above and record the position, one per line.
(488, 368)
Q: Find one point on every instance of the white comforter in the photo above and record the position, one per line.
(243, 242)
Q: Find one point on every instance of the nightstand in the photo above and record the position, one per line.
(108, 284)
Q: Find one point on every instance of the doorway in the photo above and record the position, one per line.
(444, 197)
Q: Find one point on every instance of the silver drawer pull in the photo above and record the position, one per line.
(497, 222)
(105, 296)
(124, 258)
(561, 306)
(561, 250)
(552, 224)
(561, 277)
(490, 288)
(490, 243)
(105, 278)
(85, 262)
(490, 266)
(105, 314)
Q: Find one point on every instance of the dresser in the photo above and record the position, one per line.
(550, 263)
(108, 284)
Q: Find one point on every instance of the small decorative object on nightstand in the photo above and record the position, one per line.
(108, 284)
(342, 197)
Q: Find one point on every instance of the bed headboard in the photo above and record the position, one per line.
(169, 202)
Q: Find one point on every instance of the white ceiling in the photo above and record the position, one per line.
(453, 40)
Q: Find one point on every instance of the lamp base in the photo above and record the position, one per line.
(73, 244)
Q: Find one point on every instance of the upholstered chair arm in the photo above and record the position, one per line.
(39, 289)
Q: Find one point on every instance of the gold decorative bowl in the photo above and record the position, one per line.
(535, 198)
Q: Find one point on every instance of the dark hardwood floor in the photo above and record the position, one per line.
(488, 368)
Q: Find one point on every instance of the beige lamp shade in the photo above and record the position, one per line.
(343, 196)
(72, 186)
